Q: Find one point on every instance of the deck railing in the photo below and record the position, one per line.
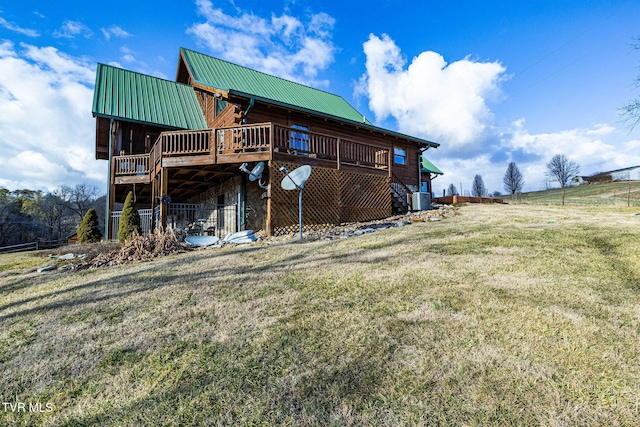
(305, 143)
(359, 154)
(182, 143)
(137, 164)
(242, 139)
(155, 156)
(250, 139)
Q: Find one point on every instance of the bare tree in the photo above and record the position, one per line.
(477, 188)
(561, 169)
(78, 199)
(630, 112)
(452, 190)
(513, 180)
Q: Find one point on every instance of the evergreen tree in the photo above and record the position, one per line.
(88, 232)
(129, 219)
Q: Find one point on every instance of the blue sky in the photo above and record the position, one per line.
(491, 81)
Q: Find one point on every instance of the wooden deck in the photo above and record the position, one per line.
(249, 143)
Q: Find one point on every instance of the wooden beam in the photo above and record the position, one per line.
(244, 157)
(306, 160)
(172, 162)
(132, 179)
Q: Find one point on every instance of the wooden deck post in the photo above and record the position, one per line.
(338, 144)
(269, 224)
(164, 186)
(155, 200)
(213, 146)
(272, 144)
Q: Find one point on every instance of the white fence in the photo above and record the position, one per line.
(199, 218)
(146, 222)
(188, 219)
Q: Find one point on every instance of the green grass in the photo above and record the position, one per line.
(15, 263)
(503, 315)
(602, 194)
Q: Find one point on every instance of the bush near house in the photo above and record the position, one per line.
(88, 231)
(129, 219)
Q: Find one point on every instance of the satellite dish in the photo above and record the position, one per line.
(297, 178)
(256, 172)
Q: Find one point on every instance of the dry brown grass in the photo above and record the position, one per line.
(502, 315)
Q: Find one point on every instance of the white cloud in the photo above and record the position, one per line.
(282, 45)
(449, 103)
(599, 148)
(430, 98)
(114, 31)
(13, 27)
(47, 132)
(595, 148)
(71, 29)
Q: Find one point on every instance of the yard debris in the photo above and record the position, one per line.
(362, 231)
(138, 248)
(70, 256)
(47, 268)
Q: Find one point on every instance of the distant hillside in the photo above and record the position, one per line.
(610, 193)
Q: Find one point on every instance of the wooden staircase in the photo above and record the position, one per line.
(400, 196)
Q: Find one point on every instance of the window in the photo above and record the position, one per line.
(399, 156)
(299, 140)
(220, 105)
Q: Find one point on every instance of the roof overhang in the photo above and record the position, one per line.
(341, 120)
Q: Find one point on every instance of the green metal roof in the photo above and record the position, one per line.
(427, 166)
(240, 80)
(136, 97)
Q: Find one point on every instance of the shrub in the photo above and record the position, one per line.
(129, 219)
(88, 231)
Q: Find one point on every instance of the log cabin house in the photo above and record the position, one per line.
(179, 147)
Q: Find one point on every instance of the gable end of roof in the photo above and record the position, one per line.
(136, 97)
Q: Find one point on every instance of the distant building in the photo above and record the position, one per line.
(626, 174)
(579, 180)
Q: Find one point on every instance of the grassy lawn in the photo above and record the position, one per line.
(503, 315)
(621, 193)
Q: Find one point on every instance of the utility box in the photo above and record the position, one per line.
(421, 201)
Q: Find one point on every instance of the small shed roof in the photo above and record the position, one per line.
(136, 97)
(427, 166)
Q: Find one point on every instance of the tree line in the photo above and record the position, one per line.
(34, 215)
(560, 169)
